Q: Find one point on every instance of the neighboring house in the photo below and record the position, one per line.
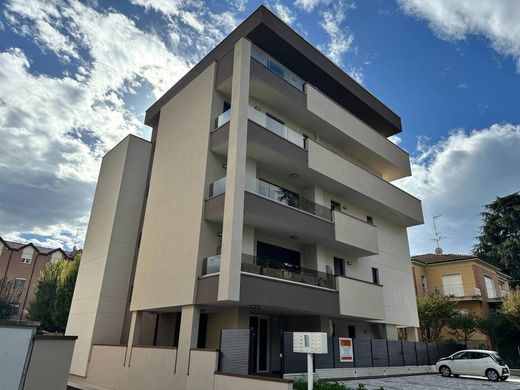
(476, 286)
(23, 263)
(264, 201)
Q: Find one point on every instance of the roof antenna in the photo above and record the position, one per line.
(438, 237)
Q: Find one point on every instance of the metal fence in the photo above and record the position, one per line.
(236, 353)
(368, 353)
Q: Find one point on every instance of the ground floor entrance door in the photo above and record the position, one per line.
(259, 325)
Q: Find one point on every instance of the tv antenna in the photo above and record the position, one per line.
(438, 237)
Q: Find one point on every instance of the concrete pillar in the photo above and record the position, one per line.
(133, 336)
(229, 280)
(390, 332)
(412, 334)
(188, 335)
(326, 325)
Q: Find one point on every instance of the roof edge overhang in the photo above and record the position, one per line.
(371, 109)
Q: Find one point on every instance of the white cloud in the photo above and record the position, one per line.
(356, 73)
(456, 177)
(340, 38)
(284, 12)
(462, 86)
(54, 129)
(456, 20)
(310, 5)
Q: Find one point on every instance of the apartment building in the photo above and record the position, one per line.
(263, 201)
(23, 263)
(475, 285)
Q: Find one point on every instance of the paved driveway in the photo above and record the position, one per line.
(431, 382)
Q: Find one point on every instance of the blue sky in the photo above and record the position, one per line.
(76, 77)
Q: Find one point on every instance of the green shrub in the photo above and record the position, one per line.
(301, 384)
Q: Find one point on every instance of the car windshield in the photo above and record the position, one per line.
(498, 359)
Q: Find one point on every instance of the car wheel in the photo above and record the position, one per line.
(492, 375)
(445, 371)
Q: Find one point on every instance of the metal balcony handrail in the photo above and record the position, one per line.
(277, 194)
(460, 290)
(275, 268)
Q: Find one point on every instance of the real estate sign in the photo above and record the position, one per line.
(346, 351)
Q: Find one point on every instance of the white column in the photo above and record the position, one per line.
(229, 280)
(188, 335)
(133, 336)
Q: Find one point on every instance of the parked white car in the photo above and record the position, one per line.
(474, 362)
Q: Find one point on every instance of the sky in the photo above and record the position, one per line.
(77, 76)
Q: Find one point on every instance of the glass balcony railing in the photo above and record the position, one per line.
(274, 268)
(269, 123)
(276, 193)
(217, 187)
(276, 127)
(223, 118)
(211, 265)
(276, 67)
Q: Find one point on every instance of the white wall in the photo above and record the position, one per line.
(99, 304)
(14, 346)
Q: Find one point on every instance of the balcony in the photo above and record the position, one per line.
(358, 298)
(274, 268)
(359, 234)
(277, 211)
(345, 177)
(283, 151)
(457, 292)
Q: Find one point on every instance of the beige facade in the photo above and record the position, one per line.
(476, 286)
(100, 297)
(268, 207)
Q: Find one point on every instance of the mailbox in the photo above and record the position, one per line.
(310, 342)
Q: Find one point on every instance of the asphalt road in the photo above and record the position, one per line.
(432, 382)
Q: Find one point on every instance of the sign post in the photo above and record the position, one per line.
(310, 343)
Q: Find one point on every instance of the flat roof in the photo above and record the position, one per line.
(267, 31)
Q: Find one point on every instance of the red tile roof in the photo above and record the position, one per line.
(432, 258)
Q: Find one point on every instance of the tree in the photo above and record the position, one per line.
(9, 297)
(462, 326)
(499, 238)
(54, 294)
(511, 307)
(496, 326)
(434, 313)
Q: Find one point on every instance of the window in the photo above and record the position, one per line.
(19, 283)
(375, 275)
(423, 283)
(370, 219)
(351, 331)
(490, 287)
(335, 205)
(227, 106)
(26, 259)
(339, 266)
(452, 285)
(462, 355)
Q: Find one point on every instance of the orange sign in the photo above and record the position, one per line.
(346, 350)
